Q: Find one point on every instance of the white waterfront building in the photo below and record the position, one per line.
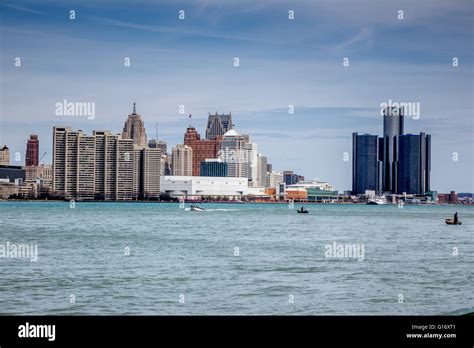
(315, 183)
(189, 186)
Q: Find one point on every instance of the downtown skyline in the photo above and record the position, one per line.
(181, 62)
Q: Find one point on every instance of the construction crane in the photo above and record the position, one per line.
(42, 156)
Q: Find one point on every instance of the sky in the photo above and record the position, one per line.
(282, 62)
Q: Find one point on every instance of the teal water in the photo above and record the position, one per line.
(174, 252)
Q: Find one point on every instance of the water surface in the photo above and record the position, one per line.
(281, 257)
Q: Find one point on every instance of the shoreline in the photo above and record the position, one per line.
(223, 202)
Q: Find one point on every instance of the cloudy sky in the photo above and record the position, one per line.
(190, 62)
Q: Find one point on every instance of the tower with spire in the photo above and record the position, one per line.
(134, 128)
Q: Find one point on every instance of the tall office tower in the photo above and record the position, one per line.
(166, 160)
(113, 166)
(85, 174)
(137, 171)
(213, 167)
(252, 164)
(134, 128)
(92, 167)
(4, 156)
(218, 125)
(182, 160)
(59, 160)
(262, 171)
(202, 149)
(269, 167)
(32, 151)
(158, 144)
(366, 168)
(233, 151)
(413, 163)
(393, 122)
(151, 171)
(73, 164)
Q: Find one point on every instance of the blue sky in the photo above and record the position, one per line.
(282, 62)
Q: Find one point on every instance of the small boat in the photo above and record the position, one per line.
(196, 208)
(451, 222)
(302, 211)
(377, 201)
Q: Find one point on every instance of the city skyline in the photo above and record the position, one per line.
(282, 63)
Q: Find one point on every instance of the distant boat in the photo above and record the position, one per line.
(377, 201)
(451, 222)
(302, 211)
(196, 208)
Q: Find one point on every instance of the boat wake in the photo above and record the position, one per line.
(216, 209)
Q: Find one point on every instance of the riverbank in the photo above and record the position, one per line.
(229, 202)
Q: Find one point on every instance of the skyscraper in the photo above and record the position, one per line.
(202, 149)
(393, 123)
(233, 150)
(134, 128)
(182, 160)
(366, 167)
(4, 156)
(262, 171)
(32, 151)
(151, 171)
(218, 125)
(92, 167)
(413, 163)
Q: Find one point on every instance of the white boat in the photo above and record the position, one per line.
(196, 208)
(377, 201)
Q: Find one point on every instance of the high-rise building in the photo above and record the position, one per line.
(182, 160)
(158, 144)
(166, 170)
(393, 123)
(151, 171)
(252, 164)
(366, 167)
(233, 150)
(269, 167)
(32, 151)
(4, 156)
(413, 163)
(92, 167)
(214, 167)
(395, 163)
(289, 177)
(147, 169)
(262, 171)
(202, 149)
(218, 125)
(134, 128)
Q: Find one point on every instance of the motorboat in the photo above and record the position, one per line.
(377, 201)
(302, 211)
(451, 222)
(196, 208)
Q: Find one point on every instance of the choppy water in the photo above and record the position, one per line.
(177, 252)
